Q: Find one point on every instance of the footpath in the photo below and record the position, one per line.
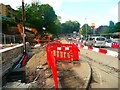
(83, 71)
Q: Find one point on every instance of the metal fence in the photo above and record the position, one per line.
(8, 39)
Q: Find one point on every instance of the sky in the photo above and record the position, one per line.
(99, 12)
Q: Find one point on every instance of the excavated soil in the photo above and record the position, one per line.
(37, 71)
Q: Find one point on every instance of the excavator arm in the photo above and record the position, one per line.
(46, 38)
(20, 30)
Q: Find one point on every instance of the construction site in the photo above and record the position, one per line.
(37, 73)
(48, 59)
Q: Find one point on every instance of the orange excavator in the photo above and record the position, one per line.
(38, 39)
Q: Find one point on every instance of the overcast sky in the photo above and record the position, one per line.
(85, 11)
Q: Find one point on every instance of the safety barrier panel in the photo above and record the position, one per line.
(54, 69)
(63, 51)
(90, 48)
(101, 50)
(115, 45)
(104, 51)
(57, 51)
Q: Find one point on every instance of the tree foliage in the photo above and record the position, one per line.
(42, 17)
(70, 26)
(117, 27)
(86, 29)
(105, 31)
(111, 27)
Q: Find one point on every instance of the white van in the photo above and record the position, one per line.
(96, 41)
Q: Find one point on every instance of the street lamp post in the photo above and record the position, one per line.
(86, 26)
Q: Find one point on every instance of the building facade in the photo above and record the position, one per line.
(7, 11)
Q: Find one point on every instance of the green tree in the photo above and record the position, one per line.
(86, 29)
(48, 18)
(70, 26)
(117, 27)
(57, 26)
(105, 31)
(111, 27)
(42, 17)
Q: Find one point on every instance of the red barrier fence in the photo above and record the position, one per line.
(90, 48)
(115, 45)
(57, 51)
(104, 51)
(64, 51)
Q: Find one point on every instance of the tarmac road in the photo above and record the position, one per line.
(112, 49)
(104, 69)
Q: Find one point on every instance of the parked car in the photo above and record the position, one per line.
(81, 40)
(69, 37)
(109, 43)
(96, 41)
(99, 41)
(89, 41)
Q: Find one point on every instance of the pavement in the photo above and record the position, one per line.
(83, 71)
(102, 66)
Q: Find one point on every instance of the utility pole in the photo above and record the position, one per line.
(86, 26)
(23, 28)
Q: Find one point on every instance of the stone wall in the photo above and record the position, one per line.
(11, 55)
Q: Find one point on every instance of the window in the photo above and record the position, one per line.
(100, 39)
(90, 38)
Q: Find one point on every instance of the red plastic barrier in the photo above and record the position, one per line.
(64, 51)
(49, 52)
(115, 45)
(56, 51)
(52, 63)
(102, 51)
(54, 70)
(90, 48)
(81, 46)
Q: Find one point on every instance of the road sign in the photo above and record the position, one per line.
(92, 25)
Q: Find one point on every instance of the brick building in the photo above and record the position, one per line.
(7, 11)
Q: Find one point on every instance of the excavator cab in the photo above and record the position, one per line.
(37, 37)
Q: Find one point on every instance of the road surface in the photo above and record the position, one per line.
(104, 69)
(112, 49)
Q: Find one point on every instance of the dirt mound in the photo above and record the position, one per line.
(37, 71)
